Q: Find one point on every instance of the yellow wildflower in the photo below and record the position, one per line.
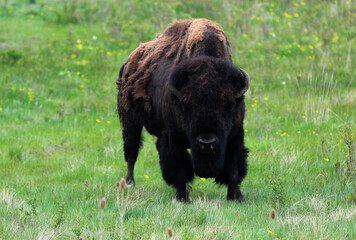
(80, 46)
(271, 232)
(97, 120)
(335, 38)
(108, 122)
(298, 132)
(287, 16)
(146, 176)
(326, 159)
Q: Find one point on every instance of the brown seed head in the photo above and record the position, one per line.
(123, 184)
(102, 203)
(117, 184)
(170, 232)
(273, 214)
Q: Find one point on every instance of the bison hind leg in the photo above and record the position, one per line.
(131, 133)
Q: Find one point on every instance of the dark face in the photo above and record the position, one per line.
(207, 106)
(207, 113)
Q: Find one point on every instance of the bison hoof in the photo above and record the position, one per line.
(183, 199)
(130, 180)
(235, 195)
(182, 194)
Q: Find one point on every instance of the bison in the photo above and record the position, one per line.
(184, 89)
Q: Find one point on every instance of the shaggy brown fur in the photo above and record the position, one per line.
(179, 42)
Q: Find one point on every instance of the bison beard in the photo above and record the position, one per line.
(183, 88)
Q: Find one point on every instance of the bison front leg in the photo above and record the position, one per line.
(235, 170)
(176, 166)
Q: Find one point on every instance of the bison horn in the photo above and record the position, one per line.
(247, 83)
(175, 91)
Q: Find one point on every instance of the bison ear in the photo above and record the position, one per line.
(176, 80)
(241, 81)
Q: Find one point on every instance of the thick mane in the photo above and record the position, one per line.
(176, 42)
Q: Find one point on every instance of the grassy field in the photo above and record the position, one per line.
(60, 138)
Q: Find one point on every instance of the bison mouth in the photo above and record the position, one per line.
(207, 151)
(207, 156)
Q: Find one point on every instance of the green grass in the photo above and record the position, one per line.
(59, 128)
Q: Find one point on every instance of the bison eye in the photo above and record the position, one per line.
(230, 106)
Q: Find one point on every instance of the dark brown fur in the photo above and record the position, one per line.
(178, 42)
(183, 88)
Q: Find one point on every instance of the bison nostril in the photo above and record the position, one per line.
(207, 142)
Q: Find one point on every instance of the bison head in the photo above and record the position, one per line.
(207, 96)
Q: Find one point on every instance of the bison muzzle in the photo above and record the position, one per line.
(184, 89)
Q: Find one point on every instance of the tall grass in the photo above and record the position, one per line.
(60, 140)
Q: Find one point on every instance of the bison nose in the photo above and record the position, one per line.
(207, 143)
